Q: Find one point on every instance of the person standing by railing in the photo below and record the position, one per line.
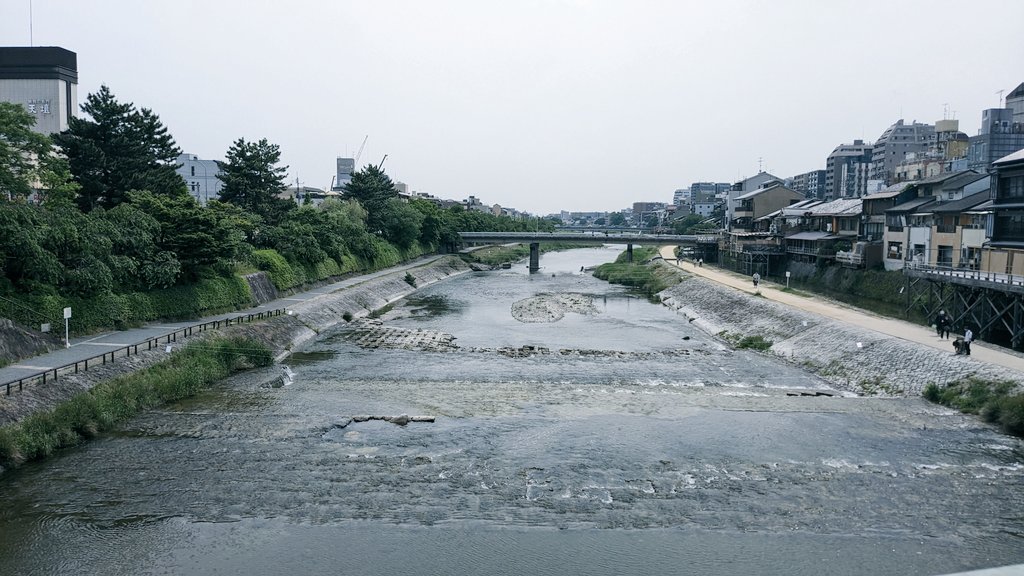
(968, 338)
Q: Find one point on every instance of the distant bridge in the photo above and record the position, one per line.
(594, 238)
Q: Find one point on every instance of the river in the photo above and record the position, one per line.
(607, 436)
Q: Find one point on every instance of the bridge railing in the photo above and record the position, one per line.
(49, 374)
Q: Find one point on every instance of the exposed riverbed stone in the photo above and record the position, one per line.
(551, 307)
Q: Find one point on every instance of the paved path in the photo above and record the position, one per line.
(924, 335)
(96, 344)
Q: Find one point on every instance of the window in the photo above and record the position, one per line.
(1012, 187)
(193, 170)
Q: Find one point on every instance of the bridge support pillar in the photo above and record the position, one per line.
(629, 252)
(534, 256)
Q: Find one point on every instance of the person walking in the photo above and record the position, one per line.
(942, 324)
(757, 278)
(968, 338)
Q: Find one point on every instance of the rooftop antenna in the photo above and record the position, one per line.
(760, 161)
(1000, 92)
(945, 111)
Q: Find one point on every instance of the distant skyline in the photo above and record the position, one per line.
(539, 105)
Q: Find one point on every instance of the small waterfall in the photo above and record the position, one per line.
(262, 288)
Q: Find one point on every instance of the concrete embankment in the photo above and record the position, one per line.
(307, 319)
(281, 333)
(849, 357)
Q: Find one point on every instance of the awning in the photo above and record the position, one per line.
(811, 236)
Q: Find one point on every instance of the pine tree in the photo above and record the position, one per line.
(118, 149)
(252, 179)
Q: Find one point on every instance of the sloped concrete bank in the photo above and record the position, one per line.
(307, 319)
(280, 333)
(849, 358)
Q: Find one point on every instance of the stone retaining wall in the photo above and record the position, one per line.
(883, 365)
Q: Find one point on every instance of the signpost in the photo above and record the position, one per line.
(67, 317)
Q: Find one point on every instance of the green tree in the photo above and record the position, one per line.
(21, 148)
(253, 180)
(117, 149)
(401, 223)
(373, 189)
(616, 219)
(195, 235)
(687, 224)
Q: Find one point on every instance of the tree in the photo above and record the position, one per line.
(616, 219)
(118, 149)
(401, 223)
(253, 180)
(20, 151)
(372, 188)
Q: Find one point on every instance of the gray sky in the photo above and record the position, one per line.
(540, 105)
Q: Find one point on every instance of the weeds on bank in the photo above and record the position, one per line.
(877, 386)
(410, 279)
(112, 402)
(639, 274)
(996, 401)
(740, 342)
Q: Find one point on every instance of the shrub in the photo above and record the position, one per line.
(410, 279)
(994, 401)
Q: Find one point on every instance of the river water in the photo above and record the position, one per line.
(616, 439)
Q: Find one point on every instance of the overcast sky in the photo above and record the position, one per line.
(539, 105)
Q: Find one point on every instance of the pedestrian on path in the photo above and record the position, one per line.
(757, 278)
(942, 324)
(700, 263)
(968, 338)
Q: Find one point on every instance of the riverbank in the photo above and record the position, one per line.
(281, 334)
(848, 356)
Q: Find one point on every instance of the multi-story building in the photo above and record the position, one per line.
(894, 144)
(1001, 134)
(681, 197)
(1004, 251)
(847, 170)
(44, 80)
(346, 166)
(810, 184)
(200, 177)
(759, 180)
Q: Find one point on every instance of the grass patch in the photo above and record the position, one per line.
(796, 292)
(648, 278)
(115, 401)
(996, 401)
(877, 386)
(741, 342)
(379, 311)
(410, 279)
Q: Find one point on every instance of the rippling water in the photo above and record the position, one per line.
(623, 442)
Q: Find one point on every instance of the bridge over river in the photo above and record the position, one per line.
(629, 239)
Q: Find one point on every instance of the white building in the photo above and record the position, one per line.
(44, 80)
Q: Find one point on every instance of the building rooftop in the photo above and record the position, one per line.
(911, 205)
(840, 207)
(1017, 156)
(961, 205)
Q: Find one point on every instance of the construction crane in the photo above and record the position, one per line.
(355, 160)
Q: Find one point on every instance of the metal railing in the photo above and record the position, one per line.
(74, 367)
(967, 273)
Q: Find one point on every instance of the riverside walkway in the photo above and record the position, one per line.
(924, 335)
(94, 345)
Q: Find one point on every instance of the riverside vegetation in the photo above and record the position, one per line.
(638, 274)
(112, 402)
(115, 235)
